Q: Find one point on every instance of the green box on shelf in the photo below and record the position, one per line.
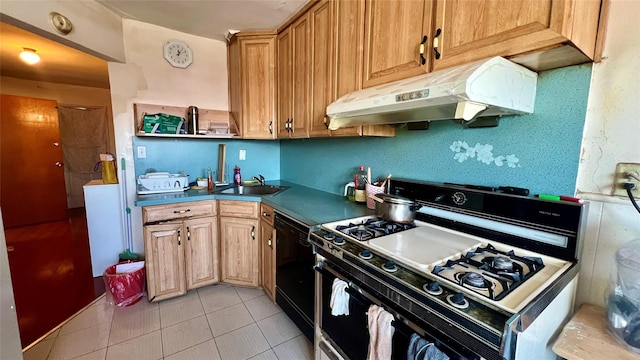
(163, 124)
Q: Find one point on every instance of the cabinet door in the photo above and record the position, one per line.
(201, 252)
(240, 251)
(257, 58)
(164, 260)
(268, 241)
(301, 86)
(474, 30)
(393, 32)
(285, 83)
(321, 42)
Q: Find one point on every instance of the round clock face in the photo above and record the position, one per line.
(178, 53)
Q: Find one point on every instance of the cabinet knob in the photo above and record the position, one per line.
(179, 238)
(423, 60)
(266, 214)
(59, 164)
(269, 242)
(271, 127)
(324, 121)
(436, 43)
(188, 234)
(253, 232)
(181, 211)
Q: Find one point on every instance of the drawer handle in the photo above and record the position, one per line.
(181, 211)
(178, 237)
(269, 242)
(188, 234)
(266, 214)
(253, 232)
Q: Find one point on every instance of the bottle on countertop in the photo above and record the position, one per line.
(237, 178)
(360, 179)
(209, 179)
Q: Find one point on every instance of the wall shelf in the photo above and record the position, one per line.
(205, 117)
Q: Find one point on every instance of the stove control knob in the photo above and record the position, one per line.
(366, 254)
(339, 240)
(390, 266)
(433, 288)
(458, 298)
(458, 301)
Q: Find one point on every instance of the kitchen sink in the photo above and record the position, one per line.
(253, 190)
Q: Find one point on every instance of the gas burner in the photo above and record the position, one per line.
(361, 233)
(339, 240)
(502, 263)
(472, 279)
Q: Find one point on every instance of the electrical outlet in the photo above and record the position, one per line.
(243, 155)
(626, 173)
(142, 152)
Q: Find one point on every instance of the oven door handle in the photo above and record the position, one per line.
(352, 289)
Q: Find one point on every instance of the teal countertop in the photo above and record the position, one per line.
(305, 204)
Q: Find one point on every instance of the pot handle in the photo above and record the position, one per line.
(415, 207)
(375, 198)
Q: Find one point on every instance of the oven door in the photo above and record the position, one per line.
(349, 333)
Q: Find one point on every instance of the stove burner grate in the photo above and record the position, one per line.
(372, 228)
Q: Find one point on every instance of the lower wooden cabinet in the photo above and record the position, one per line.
(268, 251)
(180, 254)
(239, 243)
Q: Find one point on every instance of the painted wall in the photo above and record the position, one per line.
(539, 151)
(611, 136)
(194, 156)
(148, 79)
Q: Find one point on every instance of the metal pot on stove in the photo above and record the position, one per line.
(395, 208)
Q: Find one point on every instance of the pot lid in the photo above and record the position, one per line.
(395, 199)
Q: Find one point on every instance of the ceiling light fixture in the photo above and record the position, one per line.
(29, 56)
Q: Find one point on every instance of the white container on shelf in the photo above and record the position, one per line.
(104, 222)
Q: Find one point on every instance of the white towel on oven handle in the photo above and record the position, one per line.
(339, 298)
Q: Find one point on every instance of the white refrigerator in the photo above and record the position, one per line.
(104, 222)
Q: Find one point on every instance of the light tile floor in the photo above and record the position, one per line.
(219, 322)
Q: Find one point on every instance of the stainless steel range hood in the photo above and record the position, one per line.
(492, 87)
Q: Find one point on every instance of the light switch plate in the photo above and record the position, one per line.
(142, 152)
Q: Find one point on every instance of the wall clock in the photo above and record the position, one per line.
(178, 53)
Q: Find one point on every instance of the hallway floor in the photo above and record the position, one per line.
(51, 273)
(215, 322)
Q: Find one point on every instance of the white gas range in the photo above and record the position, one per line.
(488, 267)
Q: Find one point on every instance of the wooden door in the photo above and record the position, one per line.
(164, 260)
(201, 253)
(285, 83)
(239, 251)
(268, 246)
(32, 187)
(301, 87)
(475, 30)
(393, 33)
(321, 42)
(257, 56)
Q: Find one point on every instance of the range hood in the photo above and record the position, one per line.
(492, 87)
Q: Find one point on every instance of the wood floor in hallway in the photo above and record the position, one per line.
(51, 273)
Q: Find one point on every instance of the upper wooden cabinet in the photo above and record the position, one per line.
(252, 84)
(293, 73)
(393, 33)
(541, 34)
(321, 42)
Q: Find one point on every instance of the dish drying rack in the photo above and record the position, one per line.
(162, 182)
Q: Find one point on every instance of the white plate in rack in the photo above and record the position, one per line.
(144, 191)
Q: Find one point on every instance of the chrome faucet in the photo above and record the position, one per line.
(260, 178)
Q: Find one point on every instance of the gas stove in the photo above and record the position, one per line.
(490, 265)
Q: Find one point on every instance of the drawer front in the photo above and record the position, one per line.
(178, 211)
(242, 209)
(266, 213)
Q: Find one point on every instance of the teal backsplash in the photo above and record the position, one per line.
(194, 156)
(545, 143)
(543, 148)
